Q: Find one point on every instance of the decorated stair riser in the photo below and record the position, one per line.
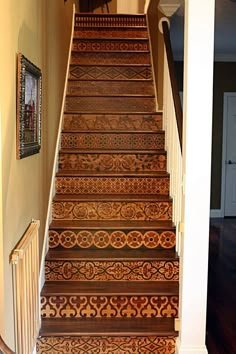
(107, 270)
(114, 21)
(112, 162)
(146, 141)
(113, 122)
(107, 345)
(73, 210)
(91, 72)
(118, 306)
(91, 104)
(108, 58)
(117, 239)
(112, 185)
(110, 45)
(108, 88)
(100, 32)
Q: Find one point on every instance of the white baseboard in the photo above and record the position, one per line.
(216, 213)
(181, 349)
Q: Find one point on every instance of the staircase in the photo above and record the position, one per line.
(111, 269)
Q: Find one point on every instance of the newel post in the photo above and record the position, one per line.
(197, 130)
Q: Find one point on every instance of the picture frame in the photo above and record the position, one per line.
(29, 103)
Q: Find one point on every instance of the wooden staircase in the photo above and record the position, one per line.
(111, 270)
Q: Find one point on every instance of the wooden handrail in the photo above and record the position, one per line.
(4, 348)
(173, 80)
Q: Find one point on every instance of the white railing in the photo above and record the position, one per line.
(173, 148)
(25, 260)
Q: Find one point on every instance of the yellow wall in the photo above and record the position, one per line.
(40, 30)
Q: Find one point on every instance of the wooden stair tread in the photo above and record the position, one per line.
(111, 198)
(110, 288)
(140, 174)
(135, 95)
(110, 254)
(107, 225)
(109, 326)
(101, 151)
(119, 132)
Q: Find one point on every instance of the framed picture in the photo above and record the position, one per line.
(29, 102)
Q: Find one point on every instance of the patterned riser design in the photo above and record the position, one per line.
(116, 122)
(112, 141)
(105, 270)
(119, 306)
(102, 162)
(113, 21)
(103, 45)
(88, 72)
(108, 58)
(84, 88)
(112, 185)
(151, 211)
(106, 345)
(117, 239)
(110, 33)
(109, 104)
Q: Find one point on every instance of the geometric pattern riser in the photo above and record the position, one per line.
(84, 88)
(122, 122)
(106, 270)
(90, 104)
(112, 185)
(112, 238)
(117, 21)
(112, 162)
(112, 211)
(99, 45)
(112, 141)
(106, 345)
(118, 306)
(105, 58)
(112, 33)
(110, 73)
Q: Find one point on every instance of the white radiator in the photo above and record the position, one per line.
(25, 260)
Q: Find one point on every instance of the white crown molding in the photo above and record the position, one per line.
(168, 7)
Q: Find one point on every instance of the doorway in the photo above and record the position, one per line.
(228, 187)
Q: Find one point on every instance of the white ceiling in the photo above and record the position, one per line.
(225, 30)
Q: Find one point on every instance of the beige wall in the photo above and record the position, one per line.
(40, 30)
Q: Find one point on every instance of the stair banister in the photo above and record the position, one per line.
(173, 80)
(172, 124)
(4, 348)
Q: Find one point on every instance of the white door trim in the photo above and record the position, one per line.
(223, 166)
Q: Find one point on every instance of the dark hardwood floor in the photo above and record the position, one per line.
(221, 309)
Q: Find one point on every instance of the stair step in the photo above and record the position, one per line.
(87, 267)
(90, 104)
(112, 225)
(109, 288)
(138, 174)
(101, 140)
(110, 32)
(112, 207)
(112, 185)
(113, 122)
(110, 21)
(109, 88)
(109, 299)
(107, 344)
(88, 72)
(111, 45)
(110, 162)
(108, 327)
(127, 255)
(103, 235)
(110, 58)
